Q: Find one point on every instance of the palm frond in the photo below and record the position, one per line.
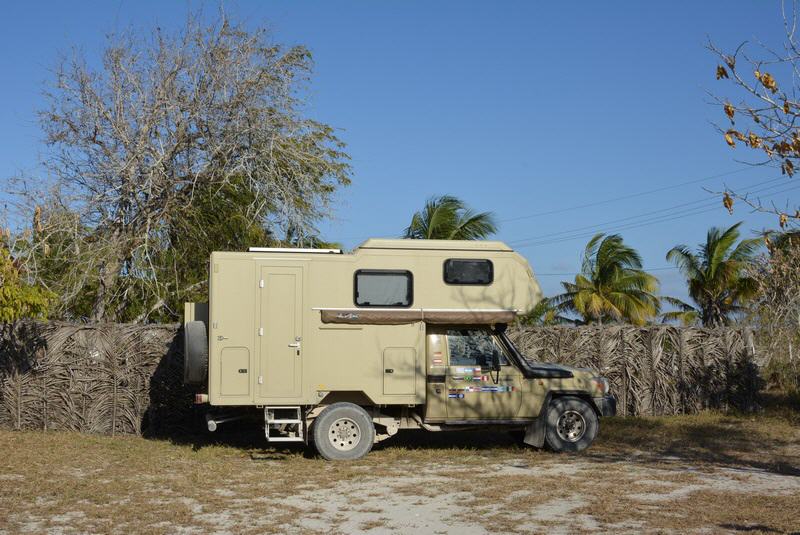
(678, 303)
(447, 218)
(590, 254)
(686, 261)
(472, 226)
(746, 250)
(719, 248)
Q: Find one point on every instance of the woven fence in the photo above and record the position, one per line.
(116, 379)
(656, 370)
(101, 378)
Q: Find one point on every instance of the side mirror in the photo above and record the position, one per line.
(496, 360)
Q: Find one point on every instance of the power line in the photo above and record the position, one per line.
(702, 202)
(598, 203)
(571, 273)
(662, 219)
(624, 197)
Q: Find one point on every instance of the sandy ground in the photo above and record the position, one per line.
(422, 503)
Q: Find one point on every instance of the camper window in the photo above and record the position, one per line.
(383, 288)
(461, 271)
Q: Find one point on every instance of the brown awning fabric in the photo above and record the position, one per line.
(400, 317)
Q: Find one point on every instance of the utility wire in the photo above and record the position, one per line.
(623, 197)
(701, 202)
(571, 273)
(662, 219)
(598, 203)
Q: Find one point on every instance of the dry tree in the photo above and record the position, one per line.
(762, 110)
(134, 139)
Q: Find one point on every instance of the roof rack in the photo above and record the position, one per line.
(292, 250)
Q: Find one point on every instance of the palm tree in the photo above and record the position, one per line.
(545, 313)
(448, 218)
(611, 286)
(715, 274)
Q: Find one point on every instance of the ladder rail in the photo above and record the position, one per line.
(297, 421)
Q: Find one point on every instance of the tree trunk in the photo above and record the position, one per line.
(101, 309)
(108, 276)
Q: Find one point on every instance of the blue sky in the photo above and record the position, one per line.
(521, 108)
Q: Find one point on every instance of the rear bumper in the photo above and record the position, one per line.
(607, 405)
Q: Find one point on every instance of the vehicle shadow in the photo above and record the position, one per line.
(759, 528)
(245, 436)
(642, 441)
(727, 442)
(747, 443)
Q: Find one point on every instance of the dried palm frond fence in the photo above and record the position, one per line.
(97, 378)
(659, 369)
(108, 378)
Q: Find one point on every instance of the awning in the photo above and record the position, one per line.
(400, 316)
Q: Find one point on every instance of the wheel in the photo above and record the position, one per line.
(343, 432)
(572, 424)
(195, 353)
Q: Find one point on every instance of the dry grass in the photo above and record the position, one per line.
(687, 473)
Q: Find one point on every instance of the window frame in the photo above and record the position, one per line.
(403, 272)
(491, 272)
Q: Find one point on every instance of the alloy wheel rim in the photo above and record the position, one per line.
(571, 426)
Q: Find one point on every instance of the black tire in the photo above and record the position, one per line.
(195, 353)
(571, 424)
(343, 432)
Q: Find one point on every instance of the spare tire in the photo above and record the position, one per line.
(195, 353)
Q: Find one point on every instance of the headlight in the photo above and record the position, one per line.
(601, 385)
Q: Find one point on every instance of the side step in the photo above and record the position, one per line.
(284, 424)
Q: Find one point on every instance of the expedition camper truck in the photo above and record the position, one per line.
(344, 350)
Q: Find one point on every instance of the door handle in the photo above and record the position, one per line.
(389, 370)
(296, 344)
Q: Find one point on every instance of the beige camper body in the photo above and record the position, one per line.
(269, 344)
(346, 349)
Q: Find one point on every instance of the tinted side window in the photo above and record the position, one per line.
(461, 271)
(383, 288)
(472, 348)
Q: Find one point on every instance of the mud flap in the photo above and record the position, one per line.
(534, 433)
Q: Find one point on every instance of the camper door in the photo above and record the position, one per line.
(280, 348)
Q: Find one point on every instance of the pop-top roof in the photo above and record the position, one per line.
(433, 245)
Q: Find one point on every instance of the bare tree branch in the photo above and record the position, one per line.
(213, 109)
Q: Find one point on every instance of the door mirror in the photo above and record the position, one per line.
(495, 360)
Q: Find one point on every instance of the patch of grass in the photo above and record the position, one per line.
(710, 510)
(765, 441)
(373, 524)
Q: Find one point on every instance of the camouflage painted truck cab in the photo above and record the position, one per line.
(344, 350)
